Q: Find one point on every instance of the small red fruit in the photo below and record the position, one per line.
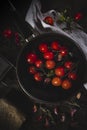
(55, 45)
(78, 16)
(43, 47)
(49, 20)
(50, 64)
(72, 76)
(38, 63)
(68, 64)
(56, 81)
(49, 55)
(63, 51)
(38, 76)
(59, 71)
(7, 33)
(66, 84)
(31, 58)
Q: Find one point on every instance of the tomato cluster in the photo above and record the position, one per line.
(54, 65)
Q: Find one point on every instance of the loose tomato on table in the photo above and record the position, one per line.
(49, 20)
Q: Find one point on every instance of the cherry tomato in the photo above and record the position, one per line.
(63, 51)
(78, 16)
(49, 20)
(32, 70)
(49, 55)
(72, 75)
(38, 63)
(68, 64)
(31, 58)
(66, 84)
(50, 64)
(56, 81)
(59, 71)
(55, 45)
(7, 33)
(38, 76)
(43, 47)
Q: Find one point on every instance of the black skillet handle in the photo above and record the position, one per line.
(19, 22)
(5, 68)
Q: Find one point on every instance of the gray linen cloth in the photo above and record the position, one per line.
(35, 16)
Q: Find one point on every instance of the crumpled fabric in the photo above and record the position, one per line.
(34, 17)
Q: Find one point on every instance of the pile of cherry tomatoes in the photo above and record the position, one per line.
(56, 66)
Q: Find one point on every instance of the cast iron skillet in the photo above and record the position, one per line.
(39, 91)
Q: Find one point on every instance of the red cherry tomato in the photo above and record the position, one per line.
(55, 45)
(50, 64)
(59, 71)
(43, 47)
(68, 64)
(49, 55)
(78, 16)
(66, 84)
(49, 20)
(56, 81)
(38, 63)
(7, 33)
(72, 75)
(38, 76)
(31, 58)
(32, 70)
(63, 51)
